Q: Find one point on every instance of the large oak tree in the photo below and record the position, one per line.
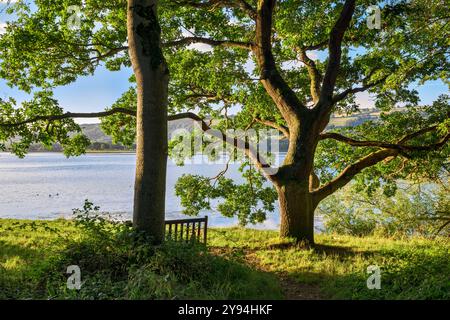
(47, 47)
(309, 60)
(288, 65)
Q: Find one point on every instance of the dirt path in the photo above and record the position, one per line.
(292, 289)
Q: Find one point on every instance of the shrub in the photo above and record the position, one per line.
(419, 210)
(116, 262)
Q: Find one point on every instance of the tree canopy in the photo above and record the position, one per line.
(263, 62)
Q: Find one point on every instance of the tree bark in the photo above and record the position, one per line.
(150, 69)
(296, 180)
(296, 211)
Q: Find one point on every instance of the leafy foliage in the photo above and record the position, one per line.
(122, 127)
(414, 166)
(419, 210)
(45, 51)
(116, 262)
(19, 138)
(249, 202)
(41, 51)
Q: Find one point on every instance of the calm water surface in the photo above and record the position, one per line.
(49, 186)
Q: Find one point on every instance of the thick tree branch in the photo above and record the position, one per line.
(236, 142)
(283, 96)
(68, 115)
(243, 145)
(358, 143)
(348, 173)
(284, 130)
(335, 50)
(225, 43)
(430, 147)
(389, 150)
(211, 4)
(341, 96)
(314, 75)
(400, 146)
(413, 135)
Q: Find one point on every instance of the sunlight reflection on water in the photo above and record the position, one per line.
(49, 186)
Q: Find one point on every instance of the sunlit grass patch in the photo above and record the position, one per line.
(114, 266)
(412, 268)
(238, 264)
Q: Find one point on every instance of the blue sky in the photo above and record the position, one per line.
(94, 93)
(87, 94)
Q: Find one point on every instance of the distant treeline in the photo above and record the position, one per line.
(101, 142)
(95, 146)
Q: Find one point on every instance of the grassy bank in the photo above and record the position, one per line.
(238, 264)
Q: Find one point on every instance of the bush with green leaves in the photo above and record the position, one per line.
(250, 202)
(118, 262)
(422, 209)
(407, 273)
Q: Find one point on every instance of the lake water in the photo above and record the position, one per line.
(49, 186)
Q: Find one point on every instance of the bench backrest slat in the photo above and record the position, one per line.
(194, 229)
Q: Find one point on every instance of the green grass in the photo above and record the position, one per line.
(410, 269)
(116, 263)
(239, 264)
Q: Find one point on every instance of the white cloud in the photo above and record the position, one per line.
(2, 27)
(365, 100)
(314, 55)
(86, 121)
(202, 47)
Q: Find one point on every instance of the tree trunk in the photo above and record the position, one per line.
(296, 212)
(152, 78)
(296, 179)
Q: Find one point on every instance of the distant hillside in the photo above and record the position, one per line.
(95, 134)
(102, 142)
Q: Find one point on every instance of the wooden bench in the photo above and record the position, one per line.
(194, 229)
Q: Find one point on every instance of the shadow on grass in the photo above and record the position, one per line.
(422, 277)
(408, 270)
(335, 250)
(112, 267)
(171, 271)
(406, 273)
(342, 251)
